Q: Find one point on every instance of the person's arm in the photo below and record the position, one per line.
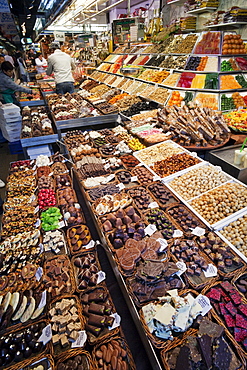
(49, 68)
(9, 84)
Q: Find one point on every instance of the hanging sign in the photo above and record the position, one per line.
(59, 36)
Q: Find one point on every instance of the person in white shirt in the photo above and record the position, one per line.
(41, 63)
(8, 58)
(61, 65)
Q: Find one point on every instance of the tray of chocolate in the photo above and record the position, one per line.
(240, 282)
(129, 161)
(149, 248)
(128, 216)
(35, 122)
(91, 182)
(43, 171)
(200, 270)
(166, 322)
(22, 346)
(19, 166)
(19, 201)
(21, 186)
(125, 177)
(143, 175)
(163, 195)
(63, 180)
(46, 182)
(58, 276)
(230, 310)
(91, 166)
(87, 270)
(83, 150)
(142, 198)
(79, 239)
(106, 108)
(152, 279)
(99, 311)
(209, 347)
(41, 362)
(18, 308)
(75, 138)
(108, 150)
(162, 222)
(98, 192)
(18, 220)
(99, 141)
(114, 351)
(225, 259)
(54, 243)
(76, 359)
(66, 197)
(186, 219)
(112, 139)
(67, 321)
(73, 215)
(111, 203)
(16, 175)
(59, 168)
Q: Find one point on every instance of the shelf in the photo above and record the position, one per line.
(202, 10)
(226, 24)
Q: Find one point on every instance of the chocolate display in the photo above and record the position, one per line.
(220, 253)
(18, 220)
(57, 168)
(112, 352)
(101, 191)
(77, 362)
(54, 241)
(57, 276)
(153, 279)
(62, 180)
(45, 182)
(21, 345)
(123, 232)
(231, 307)
(91, 166)
(141, 197)
(65, 323)
(43, 171)
(98, 309)
(111, 203)
(162, 194)
(208, 348)
(144, 176)
(184, 218)
(66, 197)
(163, 224)
(124, 177)
(79, 237)
(129, 161)
(86, 269)
(128, 216)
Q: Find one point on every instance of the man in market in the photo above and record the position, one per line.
(61, 65)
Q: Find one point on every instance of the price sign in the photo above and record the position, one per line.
(46, 335)
(204, 302)
(80, 341)
(150, 230)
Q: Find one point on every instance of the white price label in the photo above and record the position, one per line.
(204, 302)
(168, 133)
(90, 245)
(117, 152)
(37, 223)
(34, 167)
(32, 198)
(36, 210)
(42, 302)
(50, 174)
(139, 165)
(153, 205)
(110, 177)
(163, 244)
(101, 276)
(218, 168)
(41, 247)
(194, 154)
(198, 231)
(106, 166)
(81, 340)
(39, 273)
(182, 268)
(119, 120)
(177, 234)
(211, 271)
(134, 178)
(116, 322)
(150, 229)
(32, 162)
(121, 186)
(46, 335)
(156, 178)
(61, 224)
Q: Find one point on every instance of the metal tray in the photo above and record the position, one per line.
(225, 158)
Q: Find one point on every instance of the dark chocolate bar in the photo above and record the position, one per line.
(96, 320)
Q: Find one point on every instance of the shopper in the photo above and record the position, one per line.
(8, 58)
(8, 87)
(22, 68)
(61, 64)
(1, 59)
(41, 63)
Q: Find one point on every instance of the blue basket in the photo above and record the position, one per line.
(15, 147)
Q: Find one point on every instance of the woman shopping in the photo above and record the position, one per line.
(41, 63)
(8, 87)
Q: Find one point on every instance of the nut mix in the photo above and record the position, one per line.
(173, 164)
(198, 181)
(236, 233)
(158, 152)
(221, 202)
